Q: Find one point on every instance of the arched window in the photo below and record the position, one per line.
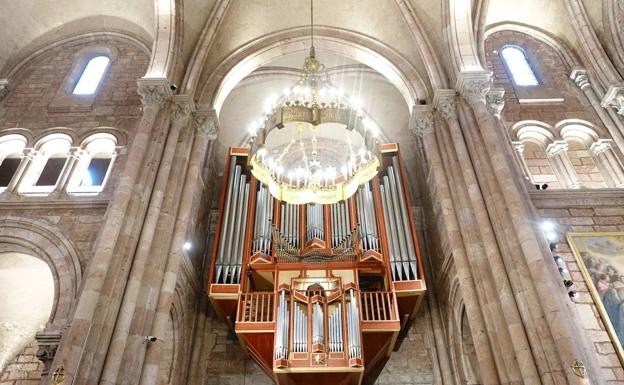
(518, 66)
(45, 170)
(94, 165)
(91, 76)
(11, 147)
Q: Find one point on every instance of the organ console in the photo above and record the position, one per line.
(317, 292)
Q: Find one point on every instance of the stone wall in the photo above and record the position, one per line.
(603, 210)
(25, 368)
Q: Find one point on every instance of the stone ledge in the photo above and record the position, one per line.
(577, 198)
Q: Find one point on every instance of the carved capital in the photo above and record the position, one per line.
(183, 107)
(556, 148)
(154, 91)
(600, 146)
(473, 86)
(444, 103)
(580, 78)
(614, 98)
(4, 88)
(421, 122)
(48, 342)
(495, 101)
(519, 147)
(207, 124)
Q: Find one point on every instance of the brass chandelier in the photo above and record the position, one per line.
(289, 142)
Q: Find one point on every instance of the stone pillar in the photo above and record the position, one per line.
(29, 156)
(557, 153)
(608, 162)
(519, 156)
(4, 88)
(206, 124)
(71, 167)
(128, 341)
(86, 342)
(581, 79)
(547, 313)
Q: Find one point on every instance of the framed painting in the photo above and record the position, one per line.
(600, 257)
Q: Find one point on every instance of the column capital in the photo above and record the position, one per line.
(495, 101)
(48, 342)
(421, 121)
(580, 78)
(557, 147)
(518, 146)
(183, 107)
(444, 103)
(30, 153)
(4, 88)
(600, 146)
(614, 98)
(474, 86)
(207, 123)
(154, 91)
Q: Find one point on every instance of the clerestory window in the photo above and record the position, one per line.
(518, 66)
(92, 75)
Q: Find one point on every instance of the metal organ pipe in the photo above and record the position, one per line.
(281, 338)
(353, 327)
(366, 218)
(263, 218)
(335, 329)
(318, 332)
(411, 252)
(230, 253)
(392, 252)
(314, 221)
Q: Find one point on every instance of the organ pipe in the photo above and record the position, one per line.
(353, 327)
(283, 319)
(229, 257)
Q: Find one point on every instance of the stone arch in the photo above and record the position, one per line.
(26, 300)
(533, 131)
(167, 43)
(15, 71)
(460, 37)
(580, 136)
(563, 51)
(36, 238)
(398, 70)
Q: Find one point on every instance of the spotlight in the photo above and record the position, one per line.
(187, 245)
(151, 338)
(552, 236)
(537, 187)
(563, 270)
(545, 186)
(572, 294)
(173, 87)
(558, 258)
(553, 246)
(567, 283)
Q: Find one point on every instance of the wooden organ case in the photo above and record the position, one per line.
(317, 292)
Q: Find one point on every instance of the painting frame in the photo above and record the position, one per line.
(574, 239)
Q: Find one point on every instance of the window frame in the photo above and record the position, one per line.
(528, 61)
(87, 60)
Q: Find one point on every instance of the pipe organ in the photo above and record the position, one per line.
(317, 292)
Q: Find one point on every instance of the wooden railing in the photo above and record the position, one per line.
(378, 306)
(256, 307)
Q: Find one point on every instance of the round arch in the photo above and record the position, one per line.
(398, 70)
(31, 237)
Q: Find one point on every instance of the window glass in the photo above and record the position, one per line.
(51, 172)
(96, 172)
(519, 67)
(7, 170)
(91, 76)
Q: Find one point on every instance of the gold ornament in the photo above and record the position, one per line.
(578, 368)
(59, 375)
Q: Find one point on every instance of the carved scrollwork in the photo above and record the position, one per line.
(422, 121)
(206, 124)
(495, 101)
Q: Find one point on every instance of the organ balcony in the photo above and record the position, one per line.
(317, 292)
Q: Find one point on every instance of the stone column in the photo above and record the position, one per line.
(72, 165)
(519, 156)
(85, 343)
(206, 133)
(28, 156)
(615, 128)
(4, 88)
(608, 163)
(128, 337)
(557, 153)
(546, 312)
